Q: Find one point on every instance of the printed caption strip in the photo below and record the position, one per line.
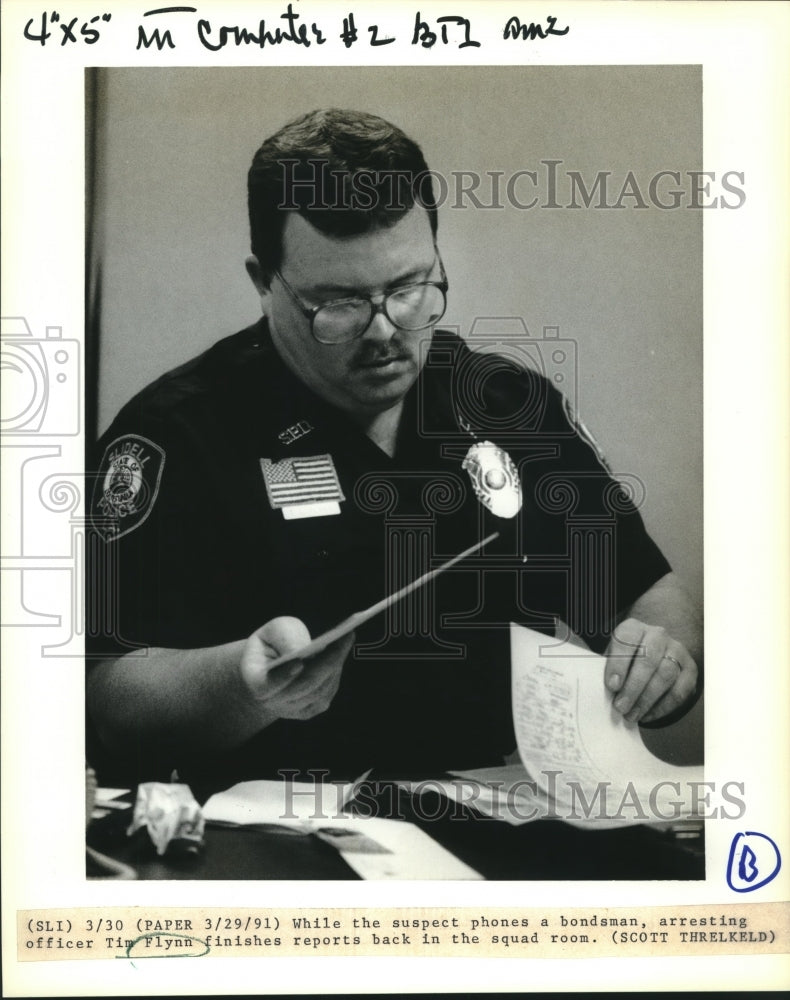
(145, 932)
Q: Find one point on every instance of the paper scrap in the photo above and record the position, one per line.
(105, 795)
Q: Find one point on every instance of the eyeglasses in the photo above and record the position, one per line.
(407, 307)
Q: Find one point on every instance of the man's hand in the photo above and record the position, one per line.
(298, 690)
(649, 673)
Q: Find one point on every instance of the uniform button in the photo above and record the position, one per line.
(322, 554)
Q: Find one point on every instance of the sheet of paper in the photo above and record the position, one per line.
(411, 853)
(404, 851)
(578, 748)
(294, 803)
(581, 762)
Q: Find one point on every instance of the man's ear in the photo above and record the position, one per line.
(255, 272)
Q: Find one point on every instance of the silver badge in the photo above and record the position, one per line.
(494, 478)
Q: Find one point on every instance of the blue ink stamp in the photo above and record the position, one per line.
(754, 861)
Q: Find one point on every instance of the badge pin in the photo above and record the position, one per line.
(494, 478)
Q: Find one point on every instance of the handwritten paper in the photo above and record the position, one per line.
(577, 747)
(578, 760)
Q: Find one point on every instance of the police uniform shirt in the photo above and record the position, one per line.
(191, 549)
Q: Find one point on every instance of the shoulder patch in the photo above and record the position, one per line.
(584, 433)
(126, 485)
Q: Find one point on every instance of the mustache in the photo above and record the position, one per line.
(370, 355)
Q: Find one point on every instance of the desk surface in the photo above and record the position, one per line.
(542, 850)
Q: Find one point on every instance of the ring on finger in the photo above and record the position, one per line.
(667, 656)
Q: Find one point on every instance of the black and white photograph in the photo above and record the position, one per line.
(388, 536)
(427, 341)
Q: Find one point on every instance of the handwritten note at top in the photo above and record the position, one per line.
(182, 26)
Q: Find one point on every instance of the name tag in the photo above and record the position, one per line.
(321, 509)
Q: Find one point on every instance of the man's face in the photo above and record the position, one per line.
(374, 372)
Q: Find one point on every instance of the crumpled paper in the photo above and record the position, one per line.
(170, 812)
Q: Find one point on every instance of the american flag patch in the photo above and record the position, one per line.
(302, 480)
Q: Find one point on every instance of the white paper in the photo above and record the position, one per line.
(581, 762)
(414, 855)
(741, 52)
(575, 745)
(292, 803)
(408, 853)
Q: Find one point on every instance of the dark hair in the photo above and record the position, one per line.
(346, 172)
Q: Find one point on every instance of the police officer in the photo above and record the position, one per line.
(305, 467)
